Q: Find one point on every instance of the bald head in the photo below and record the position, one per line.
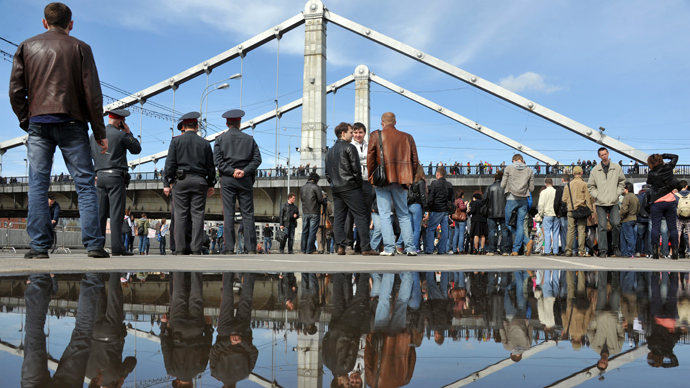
(388, 118)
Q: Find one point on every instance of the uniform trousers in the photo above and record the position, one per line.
(189, 203)
(231, 194)
(111, 204)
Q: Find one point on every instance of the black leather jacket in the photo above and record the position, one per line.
(343, 170)
(661, 177)
(496, 198)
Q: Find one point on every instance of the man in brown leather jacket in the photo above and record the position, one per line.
(400, 161)
(55, 92)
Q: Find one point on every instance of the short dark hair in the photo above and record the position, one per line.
(629, 187)
(498, 175)
(441, 171)
(342, 127)
(602, 149)
(548, 181)
(190, 125)
(314, 177)
(57, 15)
(460, 193)
(361, 126)
(565, 177)
(682, 184)
(518, 157)
(291, 195)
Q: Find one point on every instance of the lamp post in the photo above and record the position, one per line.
(204, 94)
(26, 167)
(288, 163)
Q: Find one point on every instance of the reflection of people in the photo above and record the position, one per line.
(234, 355)
(664, 335)
(105, 366)
(605, 332)
(348, 320)
(389, 359)
(287, 290)
(54, 217)
(516, 333)
(310, 308)
(186, 335)
(72, 366)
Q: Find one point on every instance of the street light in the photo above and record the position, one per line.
(201, 103)
(221, 87)
(26, 165)
(288, 163)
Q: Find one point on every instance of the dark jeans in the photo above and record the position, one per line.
(643, 238)
(615, 219)
(310, 224)
(628, 237)
(493, 234)
(161, 245)
(290, 241)
(669, 212)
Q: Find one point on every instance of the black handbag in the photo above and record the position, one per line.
(379, 174)
(581, 211)
(513, 217)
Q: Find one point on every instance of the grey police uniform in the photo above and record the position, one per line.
(111, 168)
(192, 155)
(237, 150)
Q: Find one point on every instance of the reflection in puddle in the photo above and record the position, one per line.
(418, 329)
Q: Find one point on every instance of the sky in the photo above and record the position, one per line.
(621, 65)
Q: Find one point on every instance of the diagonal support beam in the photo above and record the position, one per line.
(462, 120)
(251, 123)
(489, 87)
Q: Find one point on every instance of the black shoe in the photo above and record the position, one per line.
(252, 253)
(228, 252)
(674, 252)
(655, 251)
(122, 254)
(602, 255)
(99, 253)
(36, 255)
(196, 253)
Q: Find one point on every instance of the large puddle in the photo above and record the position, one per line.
(414, 329)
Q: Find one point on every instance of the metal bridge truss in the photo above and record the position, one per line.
(315, 13)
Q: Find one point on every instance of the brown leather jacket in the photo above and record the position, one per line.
(54, 73)
(399, 153)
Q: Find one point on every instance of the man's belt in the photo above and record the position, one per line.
(121, 172)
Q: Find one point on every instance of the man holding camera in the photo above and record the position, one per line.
(111, 171)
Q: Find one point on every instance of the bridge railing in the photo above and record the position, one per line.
(303, 173)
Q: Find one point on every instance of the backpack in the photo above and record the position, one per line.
(642, 212)
(126, 229)
(141, 231)
(683, 205)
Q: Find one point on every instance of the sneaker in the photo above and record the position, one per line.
(569, 254)
(370, 252)
(99, 254)
(506, 254)
(399, 250)
(602, 255)
(489, 253)
(412, 253)
(584, 254)
(36, 255)
(637, 254)
(349, 251)
(513, 253)
(384, 253)
(125, 253)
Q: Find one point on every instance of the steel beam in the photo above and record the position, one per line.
(489, 87)
(462, 120)
(363, 97)
(251, 123)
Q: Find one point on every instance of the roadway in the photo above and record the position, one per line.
(77, 262)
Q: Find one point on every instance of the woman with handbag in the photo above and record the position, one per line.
(460, 218)
(661, 200)
(417, 204)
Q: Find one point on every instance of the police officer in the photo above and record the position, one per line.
(238, 157)
(190, 166)
(111, 168)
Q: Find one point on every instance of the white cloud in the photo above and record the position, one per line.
(527, 82)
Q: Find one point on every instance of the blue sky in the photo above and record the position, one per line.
(623, 65)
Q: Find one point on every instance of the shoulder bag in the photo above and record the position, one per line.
(581, 211)
(379, 174)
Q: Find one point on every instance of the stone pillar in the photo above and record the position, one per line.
(362, 98)
(310, 359)
(313, 145)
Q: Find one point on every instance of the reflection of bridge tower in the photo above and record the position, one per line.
(310, 359)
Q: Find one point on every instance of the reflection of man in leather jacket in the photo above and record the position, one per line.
(186, 335)
(234, 355)
(310, 309)
(349, 319)
(287, 290)
(106, 366)
(72, 366)
(390, 358)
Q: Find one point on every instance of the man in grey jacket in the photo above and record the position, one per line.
(312, 199)
(518, 183)
(606, 183)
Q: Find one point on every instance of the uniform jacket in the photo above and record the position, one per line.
(661, 177)
(606, 188)
(343, 170)
(119, 142)
(192, 153)
(237, 150)
(440, 192)
(312, 198)
(496, 198)
(629, 208)
(54, 73)
(285, 214)
(518, 179)
(399, 153)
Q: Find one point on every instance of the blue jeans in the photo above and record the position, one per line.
(517, 231)
(552, 227)
(552, 285)
(493, 231)
(310, 224)
(459, 236)
(416, 296)
(644, 238)
(383, 319)
(73, 139)
(268, 241)
(240, 242)
(518, 283)
(416, 215)
(436, 219)
(628, 238)
(143, 244)
(437, 291)
(398, 197)
(564, 233)
(375, 233)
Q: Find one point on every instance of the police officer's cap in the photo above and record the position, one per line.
(118, 114)
(233, 114)
(189, 118)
